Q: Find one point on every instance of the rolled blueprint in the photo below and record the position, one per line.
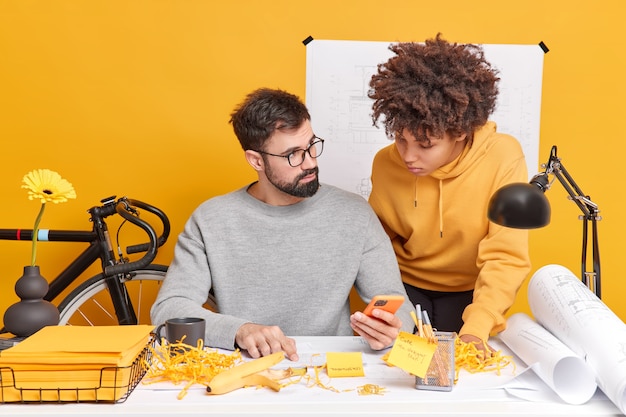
(557, 365)
(565, 307)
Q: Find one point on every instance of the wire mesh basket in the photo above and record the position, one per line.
(103, 385)
(440, 374)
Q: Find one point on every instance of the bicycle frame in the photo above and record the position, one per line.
(100, 247)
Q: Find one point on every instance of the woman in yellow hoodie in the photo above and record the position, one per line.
(432, 186)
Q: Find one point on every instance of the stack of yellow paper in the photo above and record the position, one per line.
(72, 363)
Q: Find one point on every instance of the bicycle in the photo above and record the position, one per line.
(124, 291)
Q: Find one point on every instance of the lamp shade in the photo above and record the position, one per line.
(520, 206)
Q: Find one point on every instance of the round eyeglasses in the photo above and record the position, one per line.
(296, 157)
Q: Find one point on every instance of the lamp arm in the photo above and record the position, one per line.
(596, 258)
(590, 215)
(584, 203)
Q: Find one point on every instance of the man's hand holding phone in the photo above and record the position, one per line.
(378, 324)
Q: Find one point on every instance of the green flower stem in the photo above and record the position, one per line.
(35, 233)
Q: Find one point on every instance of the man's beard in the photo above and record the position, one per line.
(295, 188)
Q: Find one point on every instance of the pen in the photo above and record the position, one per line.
(420, 327)
(414, 317)
(428, 328)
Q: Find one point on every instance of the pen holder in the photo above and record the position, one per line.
(440, 374)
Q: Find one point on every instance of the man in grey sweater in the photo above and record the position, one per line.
(282, 254)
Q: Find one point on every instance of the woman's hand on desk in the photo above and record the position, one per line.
(261, 340)
(379, 331)
(482, 346)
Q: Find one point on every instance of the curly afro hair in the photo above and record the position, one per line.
(434, 88)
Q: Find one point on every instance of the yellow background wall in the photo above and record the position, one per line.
(133, 98)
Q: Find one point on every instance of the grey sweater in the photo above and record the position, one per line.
(290, 266)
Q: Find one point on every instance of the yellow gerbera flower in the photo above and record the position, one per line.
(47, 186)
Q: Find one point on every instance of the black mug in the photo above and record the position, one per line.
(187, 330)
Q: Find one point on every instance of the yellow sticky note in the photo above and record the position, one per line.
(340, 364)
(412, 353)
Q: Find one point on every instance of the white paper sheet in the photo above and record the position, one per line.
(566, 308)
(337, 80)
(557, 365)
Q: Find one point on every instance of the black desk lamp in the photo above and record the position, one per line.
(524, 206)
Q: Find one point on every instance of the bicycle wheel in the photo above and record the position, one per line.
(90, 303)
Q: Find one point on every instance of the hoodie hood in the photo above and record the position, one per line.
(470, 156)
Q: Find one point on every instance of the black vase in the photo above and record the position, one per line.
(33, 312)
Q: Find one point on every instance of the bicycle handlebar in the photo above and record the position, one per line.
(164, 220)
(126, 208)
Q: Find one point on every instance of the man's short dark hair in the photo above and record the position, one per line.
(264, 111)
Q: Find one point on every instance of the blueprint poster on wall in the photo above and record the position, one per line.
(337, 81)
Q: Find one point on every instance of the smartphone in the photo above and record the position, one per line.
(390, 303)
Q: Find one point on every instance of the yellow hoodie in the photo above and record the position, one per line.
(439, 228)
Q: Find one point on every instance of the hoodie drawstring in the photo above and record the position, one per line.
(440, 203)
(440, 208)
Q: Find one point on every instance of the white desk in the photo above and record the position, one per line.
(400, 398)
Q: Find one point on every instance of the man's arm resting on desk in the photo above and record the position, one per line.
(261, 340)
